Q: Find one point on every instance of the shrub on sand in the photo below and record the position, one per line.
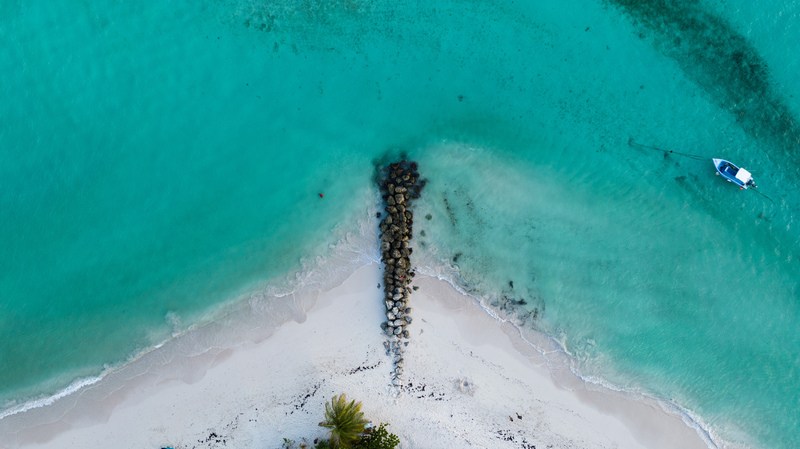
(379, 438)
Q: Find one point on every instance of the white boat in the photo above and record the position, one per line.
(734, 174)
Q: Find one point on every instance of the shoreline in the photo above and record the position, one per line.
(462, 364)
(534, 344)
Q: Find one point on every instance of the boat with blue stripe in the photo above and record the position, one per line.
(734, 174)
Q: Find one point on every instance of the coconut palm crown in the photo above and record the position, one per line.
(345, 420)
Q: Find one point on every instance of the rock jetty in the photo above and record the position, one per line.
(400, 185)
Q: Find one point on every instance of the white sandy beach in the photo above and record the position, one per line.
(466, 385)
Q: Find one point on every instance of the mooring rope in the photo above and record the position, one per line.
(765, 196)
(647, 147)
(690, 156)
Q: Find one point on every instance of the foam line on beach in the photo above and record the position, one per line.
(44, 401)
(249, 317)
(555, 354)
(188, 358)
(463, 364)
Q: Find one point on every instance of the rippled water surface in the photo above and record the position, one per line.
(159, 160)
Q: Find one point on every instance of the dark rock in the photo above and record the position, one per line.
(399, 184)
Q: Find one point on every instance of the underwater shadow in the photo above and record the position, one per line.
(719, 60)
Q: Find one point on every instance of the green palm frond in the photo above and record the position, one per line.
(345, 420)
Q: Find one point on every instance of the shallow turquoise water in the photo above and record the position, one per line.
(158, 160)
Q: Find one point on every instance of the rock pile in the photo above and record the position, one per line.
(399, 184)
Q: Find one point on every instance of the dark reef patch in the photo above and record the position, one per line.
(450, 213)
(720, 60)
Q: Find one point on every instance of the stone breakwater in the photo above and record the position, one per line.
(399, 184)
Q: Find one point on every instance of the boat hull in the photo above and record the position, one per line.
(729, 170)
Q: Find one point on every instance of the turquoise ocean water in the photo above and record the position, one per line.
(158, 160)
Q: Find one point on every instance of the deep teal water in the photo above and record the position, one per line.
(158, 160)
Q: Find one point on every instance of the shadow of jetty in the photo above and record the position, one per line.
(720, 61)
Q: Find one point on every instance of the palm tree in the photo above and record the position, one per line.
(345, 420)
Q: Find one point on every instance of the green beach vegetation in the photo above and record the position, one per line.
(346, 421)
(349, 429)
(379, 438)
